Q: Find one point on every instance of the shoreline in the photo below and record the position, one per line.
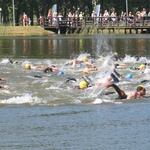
(39, 31)
(23, 31)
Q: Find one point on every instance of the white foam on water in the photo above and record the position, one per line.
(81, 56)
(4, 61)
(26, 98)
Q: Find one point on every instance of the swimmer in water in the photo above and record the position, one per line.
(4, 86)
(85, 61)
(3, 79)
(28, 66)
(139, 93)
(51, 69)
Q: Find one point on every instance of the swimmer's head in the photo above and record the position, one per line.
(142, 66)
(15, 62)
(83, 84)
(116, 65)
(79, 65)
(47, 70)
(27, 66)
(129, 76)
(85, 59)
(115, 53)
(141, 88)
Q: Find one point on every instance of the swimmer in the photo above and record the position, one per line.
(4, 86)
(117, 66)
(71, 80)
(85, 61)
(139, 93)
(140, 67)
(3, 79)
(51, 69)
(109, 79)
(28, 66)
(83, 84)
(10, 61)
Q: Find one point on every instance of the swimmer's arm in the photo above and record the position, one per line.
(120, 92)
(4, 86)
(2, 79)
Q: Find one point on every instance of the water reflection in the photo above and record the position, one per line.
(64, 46)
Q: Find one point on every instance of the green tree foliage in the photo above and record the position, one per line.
(35, 8)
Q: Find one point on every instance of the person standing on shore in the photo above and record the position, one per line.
(24, 19)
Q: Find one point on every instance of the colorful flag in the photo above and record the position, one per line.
(54, 8)
(97, 10)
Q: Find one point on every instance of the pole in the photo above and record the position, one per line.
(13, 13)
(127, 8)
(0, 16)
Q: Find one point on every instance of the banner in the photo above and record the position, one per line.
(54, 8)
(97, 10)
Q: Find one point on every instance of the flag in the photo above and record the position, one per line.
(97, 10)
(54, 8)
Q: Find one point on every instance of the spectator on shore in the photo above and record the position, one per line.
(55, 19)
(29, 21)
(49, 16)
(24, 19)
(123, 16)
(80, 16)
(113, 18)
(41, 20)
(130, 17)
(143, 13)
(60, 17)
(105, 15)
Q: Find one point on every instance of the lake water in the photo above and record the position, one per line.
(47, 114)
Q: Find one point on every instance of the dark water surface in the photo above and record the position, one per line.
(64, 46)
(46, 114)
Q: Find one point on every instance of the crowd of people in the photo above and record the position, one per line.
(103, 17)
(53, 18)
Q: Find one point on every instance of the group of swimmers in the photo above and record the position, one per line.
(91, 65)
(112, 79)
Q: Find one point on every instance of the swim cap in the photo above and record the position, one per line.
(15, 62)
(140, 87)
(82, 84)
(101, 59)
(27, 66)
(142, 66)
(129, 76)
(84, 59)
(79, 65)
(86, 71)
(60, 72)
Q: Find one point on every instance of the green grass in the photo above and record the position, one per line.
(23, 31)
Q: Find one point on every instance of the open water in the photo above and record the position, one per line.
(47, 114)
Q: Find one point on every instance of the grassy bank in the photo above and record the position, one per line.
(23, 31)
